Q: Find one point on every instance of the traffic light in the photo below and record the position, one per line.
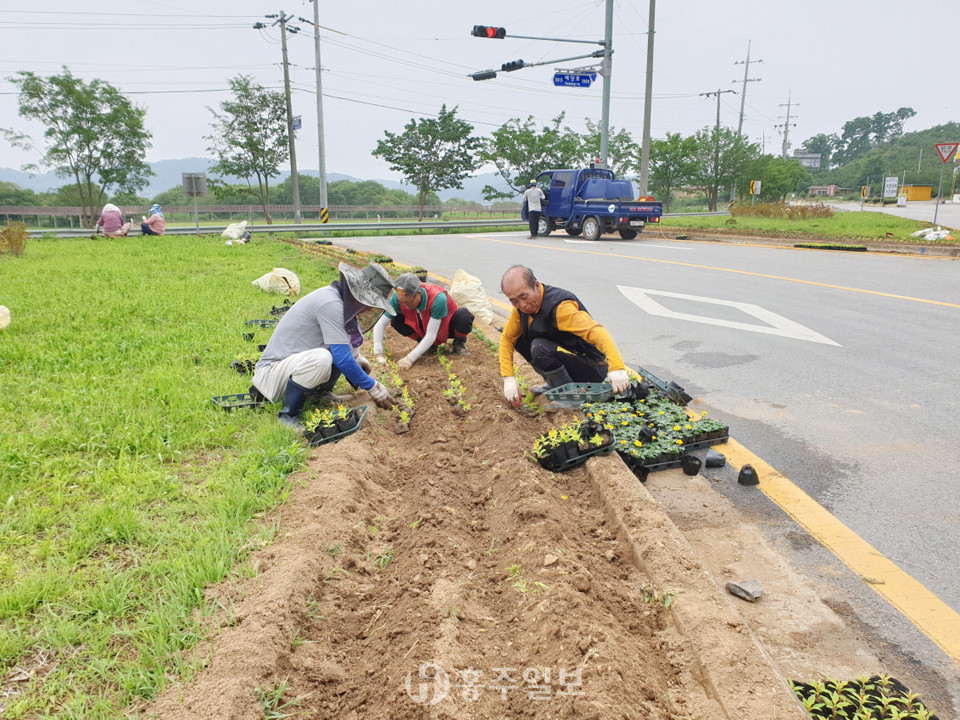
(489, 32)
(484, 75)
(512, 65)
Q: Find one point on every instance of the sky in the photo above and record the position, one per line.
(385, 63)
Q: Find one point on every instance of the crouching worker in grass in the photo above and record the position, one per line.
(426, 313)
(155, 224)
(111, 220)
(553, 332)
(318, 339)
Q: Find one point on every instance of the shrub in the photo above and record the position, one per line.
(13, 238)
(802, 211)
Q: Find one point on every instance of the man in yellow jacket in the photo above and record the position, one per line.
(553, 331)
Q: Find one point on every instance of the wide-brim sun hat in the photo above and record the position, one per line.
(371, 285)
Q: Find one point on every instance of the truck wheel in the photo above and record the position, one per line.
(544, 227)
(627, 234)
(591, 228)
(573, 232)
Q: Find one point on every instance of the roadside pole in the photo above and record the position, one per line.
(946, 151)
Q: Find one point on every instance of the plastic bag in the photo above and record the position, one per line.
(279, 280)
(467, 291)
(4, 317)
(235, 231)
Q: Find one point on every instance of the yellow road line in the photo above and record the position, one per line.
(931, 615)
(729, 270)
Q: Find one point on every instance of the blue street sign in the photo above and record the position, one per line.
(574, 79)
(296, 122)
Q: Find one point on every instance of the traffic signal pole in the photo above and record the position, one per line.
(606, 70)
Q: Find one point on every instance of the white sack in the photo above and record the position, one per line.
(279, 280)
(467, 291)
(235, 231)
(4, 317)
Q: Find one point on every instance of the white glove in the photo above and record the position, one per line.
(381, 359)
(620, 381)
(511, 390)
(364, 364)
(405, 364)
(381, 396)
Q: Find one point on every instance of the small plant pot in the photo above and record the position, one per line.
(748, 476)
(690, 464)
(327, 430)
(347, 423)
(248, 337)
(646, 434)
(262, 347)
(421, 276)
(244, 367)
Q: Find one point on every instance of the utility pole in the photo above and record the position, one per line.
(743, 92)
(647, 104)
(606, 70)
(320, 139)
(716, 141)
(282, 20)
(786, 128)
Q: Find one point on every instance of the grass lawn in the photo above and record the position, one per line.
(123, 489)
(844, 225)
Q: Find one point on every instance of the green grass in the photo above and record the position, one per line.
(855, 225)
(123, 490)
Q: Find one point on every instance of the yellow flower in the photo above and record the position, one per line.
(638, 443)
(676, 427)
(661, 412)
(623, 442)
(608, 426)
(679, 442)
(703, 413)
(689, 427)
(564, 497)
(625, 422)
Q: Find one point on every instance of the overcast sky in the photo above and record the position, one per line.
(387, 62)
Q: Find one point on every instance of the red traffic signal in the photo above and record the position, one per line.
(489, 32)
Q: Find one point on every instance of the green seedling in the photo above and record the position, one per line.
(492, 549)
(274, 708)
(384, 559)
(652, 595)
(333, 550)
(414, 525)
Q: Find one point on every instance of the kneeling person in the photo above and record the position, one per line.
(426, 313)
(553, 331)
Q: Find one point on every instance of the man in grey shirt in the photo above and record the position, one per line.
(317, 340)
(533, 195)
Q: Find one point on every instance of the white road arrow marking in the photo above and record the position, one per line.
(774, 324)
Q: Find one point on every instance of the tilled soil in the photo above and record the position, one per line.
(442, 573)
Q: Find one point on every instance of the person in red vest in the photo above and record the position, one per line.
(426, 313)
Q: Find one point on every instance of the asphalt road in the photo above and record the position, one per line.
(948, 214)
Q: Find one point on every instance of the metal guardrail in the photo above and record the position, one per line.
(372, 228)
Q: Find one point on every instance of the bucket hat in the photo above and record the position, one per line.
(371, 285)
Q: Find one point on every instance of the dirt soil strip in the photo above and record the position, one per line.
(443, 574)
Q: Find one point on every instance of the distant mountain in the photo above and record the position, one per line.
(169, 174)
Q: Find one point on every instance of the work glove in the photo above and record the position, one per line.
(381, 397)
(364, 364)
(405, 363)
(380, 358)
(620, 381)
(511, 390)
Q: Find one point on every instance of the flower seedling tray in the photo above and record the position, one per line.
(239, 400)
(317, 438)
(673, 391)
(581, 392)
(671, 464)
(269, 322)
(577, 461)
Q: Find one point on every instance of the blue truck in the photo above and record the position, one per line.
(590, 202)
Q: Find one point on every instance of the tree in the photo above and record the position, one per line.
(13, 194)
(432, 154)
(721, 156)
(94, 134)
(520, 152)
(672, 164)
(862, 134)
(622, 152)
(250, 137)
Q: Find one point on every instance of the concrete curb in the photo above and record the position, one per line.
(734, 666)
